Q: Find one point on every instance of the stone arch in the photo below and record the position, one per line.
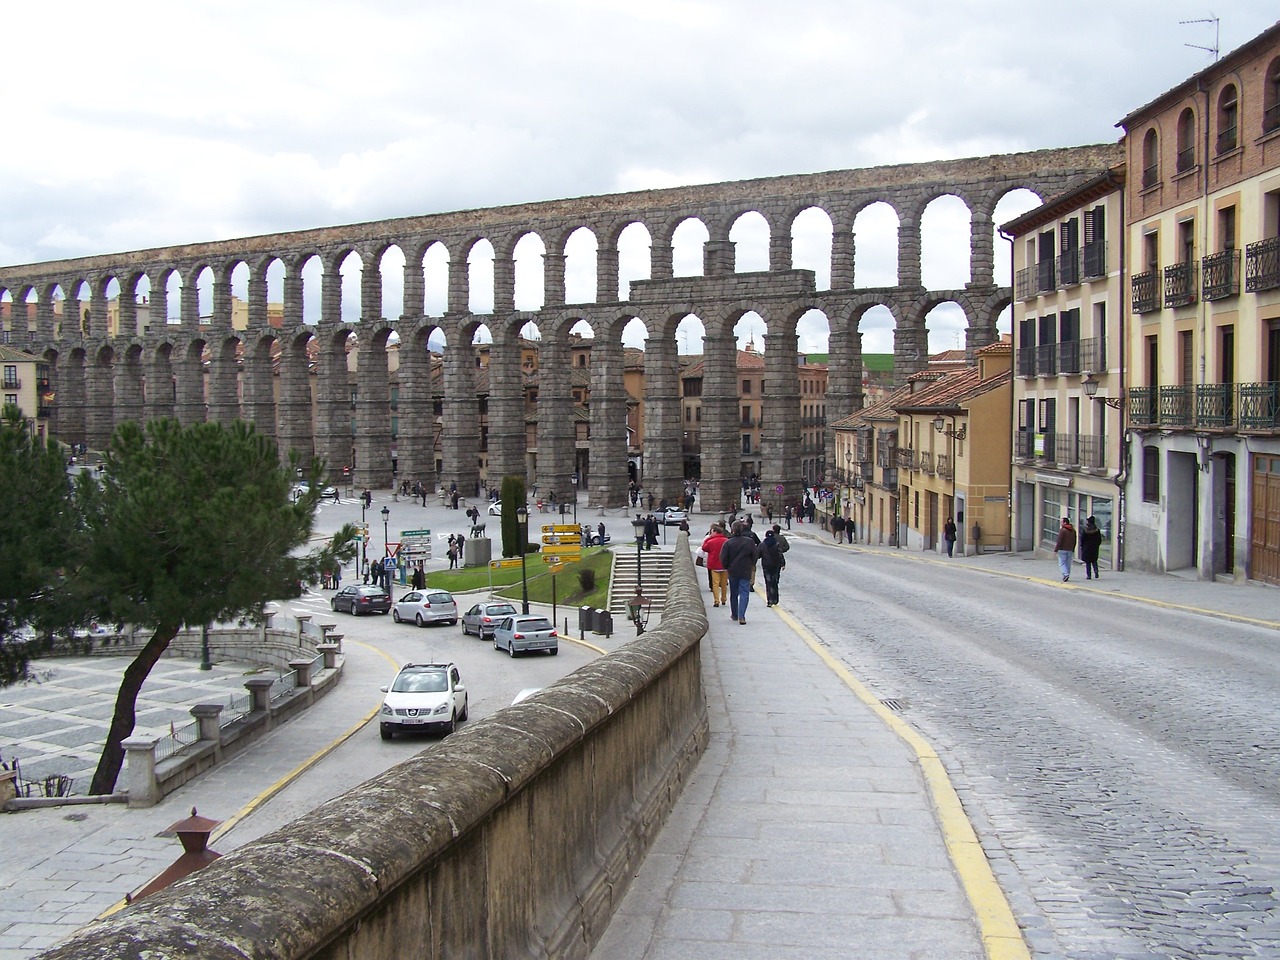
(754, 230)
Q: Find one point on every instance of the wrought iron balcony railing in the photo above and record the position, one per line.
(1144, 292)
(1207, 406)
(1094, 260)
(1069, 267)
(1024, 284)
(1026, 361)
(1262, 265)
(1220, 275)
(1180, 284)
(1046, 275)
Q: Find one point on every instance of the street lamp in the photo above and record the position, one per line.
(638, 525)
(1090, 386)
(638, 609)
(848, 478)
(205, 663)
(574, 478)
(386, 547)
(522, 517)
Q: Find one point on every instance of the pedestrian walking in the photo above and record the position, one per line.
(949, 535)
(837, 528)
(738, 557)
(786, 513)
(717, 576)
(1090, 547)
(1066, 548)
(771, 563)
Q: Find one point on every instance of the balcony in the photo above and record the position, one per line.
(1024, 284)
(1026, 361)
(1069, 267)
(1227, 140)
(1094, 260)
(1221, 275)
(11, 383)
(1150, 176)
(906, 458)
(1047, 360)
(889, 478)
(1208, 406)
(1093, 354)
(1024, 444)
(1077, 450)
(1180, 284)
(1186, 159)
(1262, 265)
(1143, 292)
(1046, 276)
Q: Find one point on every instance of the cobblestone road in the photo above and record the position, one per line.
(1120, 761)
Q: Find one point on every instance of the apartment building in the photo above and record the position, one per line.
(1068, 312)
(1203, 248)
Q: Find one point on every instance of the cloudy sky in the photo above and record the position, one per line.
(140, 124)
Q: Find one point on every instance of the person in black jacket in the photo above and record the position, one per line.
(1090, 546)
(771, 563)
(738, 556)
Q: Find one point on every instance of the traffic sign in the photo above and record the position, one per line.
(415, 533)
(562, 528)
(563, 550)
(562, 538)
(503, 564)
(557, 563)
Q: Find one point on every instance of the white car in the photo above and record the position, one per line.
(423, 696)
(300, 490)
(495, 509)
(673, 516)
(425, 606)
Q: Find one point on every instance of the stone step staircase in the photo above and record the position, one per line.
(655, 566)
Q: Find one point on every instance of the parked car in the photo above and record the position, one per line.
(482, 617)
(426, 606)
(673, 516)
(495, 509)
(423, 696)
(526, 632)
(361, 598)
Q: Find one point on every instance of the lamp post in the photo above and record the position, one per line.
(848, 478)
(575, 496)
(638, 608)
(638, 525)
(522, 517)
(205, 663)
(940, 426)
(386, 547)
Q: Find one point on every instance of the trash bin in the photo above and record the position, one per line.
(586, 620)
(604, 622)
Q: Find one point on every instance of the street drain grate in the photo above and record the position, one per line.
(894, 704)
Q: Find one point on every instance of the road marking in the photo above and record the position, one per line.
(1100, 591)
(230, 823)
(1001, 936)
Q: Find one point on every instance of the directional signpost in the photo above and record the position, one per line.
(503, 564)
(415, 545)
(561, 542)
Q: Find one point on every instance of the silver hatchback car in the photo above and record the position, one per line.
(526, 632)
(425, 606)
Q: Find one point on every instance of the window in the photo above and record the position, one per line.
(1151, 474)
(1150, 159)
(1151, 250)
(746, 388)
(1228, 112)
(1186, 141)
(1153, 362)
(11, 399)
(1271, 98)
(1095, 242)
(746, 416)
(1227, 228)
(11, 377)
(1051, 514)
(746, 443)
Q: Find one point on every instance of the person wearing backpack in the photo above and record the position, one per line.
(771, 563)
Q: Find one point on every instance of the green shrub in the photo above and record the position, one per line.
(587, 579)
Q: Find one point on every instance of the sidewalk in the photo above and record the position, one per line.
(808, 830)
(64, 866)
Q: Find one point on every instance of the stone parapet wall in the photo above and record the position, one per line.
(515, 837)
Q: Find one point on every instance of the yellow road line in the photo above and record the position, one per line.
(1099, 591)
(1001, 936)
(230, 823)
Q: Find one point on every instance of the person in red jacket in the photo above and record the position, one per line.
(716, 573)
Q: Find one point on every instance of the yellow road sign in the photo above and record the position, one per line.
(503, 564)
(561, 539)
(563, 550)
(556, 564)
(562, 528)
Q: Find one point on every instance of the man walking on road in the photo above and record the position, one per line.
(1066, 547)
(738, 556)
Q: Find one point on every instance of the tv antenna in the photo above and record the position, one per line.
(1196, 46)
